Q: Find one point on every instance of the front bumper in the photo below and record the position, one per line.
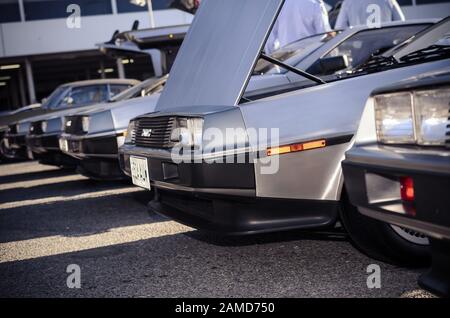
(15, 146)
(221, 197)
(98, 154)
(45, 148)
(372, 176)
(103, 145)
(40, 144)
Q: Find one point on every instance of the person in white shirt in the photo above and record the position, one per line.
(298, 19)
(368, 12)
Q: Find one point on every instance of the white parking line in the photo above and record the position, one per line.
(46, 181)
(12, 169)
(56, 245)
(10, 205)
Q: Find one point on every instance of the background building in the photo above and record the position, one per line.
(41, 46)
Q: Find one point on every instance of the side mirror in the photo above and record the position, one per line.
(68, 100)
(329, 65)
(332, 64)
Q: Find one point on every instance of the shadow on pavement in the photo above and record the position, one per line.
(62, 188)
(337, 235)
(74, 217)
(179, 266)
(36, 175)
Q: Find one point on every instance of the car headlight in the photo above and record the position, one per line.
(394, 118)
(431, 109)
(188, 132)
(44, 126)
(419, 117)
(85, 123)
(129, 134)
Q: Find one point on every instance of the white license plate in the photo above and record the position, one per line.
(64, 145)
(139, 172)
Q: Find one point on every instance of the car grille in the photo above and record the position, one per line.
(161, 128)
(36, 128)
(12, 129)
(74, 125)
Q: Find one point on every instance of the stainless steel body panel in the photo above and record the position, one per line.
(324, 111)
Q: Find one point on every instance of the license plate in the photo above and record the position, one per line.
(139, 172)
(64, 145)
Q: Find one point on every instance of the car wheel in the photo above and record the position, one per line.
(385, 242)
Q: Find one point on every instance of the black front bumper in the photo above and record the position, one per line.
(42, 143)
(94, 147)
(430, 211)
(17, 147)
(45, 148)
(221, 198)
(98, 156)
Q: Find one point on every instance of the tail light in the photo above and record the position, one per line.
(407, 189)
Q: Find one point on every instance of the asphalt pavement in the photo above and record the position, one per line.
(51, 219)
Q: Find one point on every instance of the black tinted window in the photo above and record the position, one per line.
(53, 9)
(124, 6)
(9, 11)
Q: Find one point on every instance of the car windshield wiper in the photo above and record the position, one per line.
(375, 63)
(293, 69)
(432, 52)
(381, 62)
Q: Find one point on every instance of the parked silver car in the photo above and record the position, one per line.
(398, 171)
(43, 137)
(313, 127)
(65, 97)
(93, 136)
(320, 54)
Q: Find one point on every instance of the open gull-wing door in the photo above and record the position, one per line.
(161, 38)
(127, 43)
(160, 43)
(219, 53)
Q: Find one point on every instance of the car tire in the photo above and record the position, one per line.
(383, 241)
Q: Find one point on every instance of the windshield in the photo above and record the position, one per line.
(359, 48)
(56, 97)
(293, 53)
(428, 45)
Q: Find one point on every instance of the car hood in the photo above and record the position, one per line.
(432, 78)
(16, 117)
(61, 113)
(219, 52)
(118, 115)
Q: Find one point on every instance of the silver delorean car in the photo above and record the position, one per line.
(206, 150)
(42, 136)
(93, 136)
(398, 171)
(97, 145)
(66, 97)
